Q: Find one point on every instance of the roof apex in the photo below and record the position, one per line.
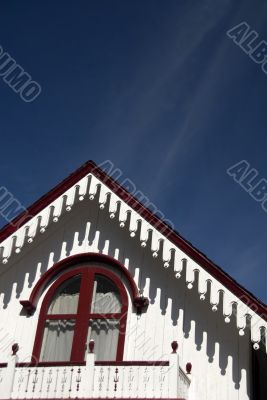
(90, 167)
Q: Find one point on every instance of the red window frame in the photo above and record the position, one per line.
(83, 315)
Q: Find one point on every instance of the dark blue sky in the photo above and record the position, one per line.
(159, 89)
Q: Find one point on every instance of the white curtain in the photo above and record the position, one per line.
(58, 334)
(64, 304)
(106, 303)
(105, 333)
(57, 340)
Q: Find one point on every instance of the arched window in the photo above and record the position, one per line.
(83, 304)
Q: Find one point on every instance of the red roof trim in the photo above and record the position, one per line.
(255, 304)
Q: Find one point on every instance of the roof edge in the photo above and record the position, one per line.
(91, 167)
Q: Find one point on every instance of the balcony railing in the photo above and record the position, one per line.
(146, 380)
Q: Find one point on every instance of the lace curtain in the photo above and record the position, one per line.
(58, 334)
(57, 340)
(105, 332)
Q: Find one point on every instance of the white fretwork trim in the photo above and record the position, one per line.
(91, 188)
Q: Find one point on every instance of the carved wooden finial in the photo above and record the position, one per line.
(91, 346)
(15, 349)
(188, 368)
(174, 345)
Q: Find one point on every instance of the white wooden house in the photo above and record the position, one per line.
(101, 299)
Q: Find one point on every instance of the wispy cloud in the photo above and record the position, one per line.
(189, 135)
(142, 100)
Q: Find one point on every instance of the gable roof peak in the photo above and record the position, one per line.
(92, 182)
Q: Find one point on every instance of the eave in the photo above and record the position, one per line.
(90, 183)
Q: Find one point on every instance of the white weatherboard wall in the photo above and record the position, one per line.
(220, 357)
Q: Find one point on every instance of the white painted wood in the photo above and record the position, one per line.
(95, 381)
(177, 386)
(7, 378)
(219, 355)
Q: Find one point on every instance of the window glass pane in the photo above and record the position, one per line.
(105, 333)
(106, 297)
(57, 340)
(65, 300)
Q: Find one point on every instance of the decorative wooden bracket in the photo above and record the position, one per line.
(140, 303)
(28, 306)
